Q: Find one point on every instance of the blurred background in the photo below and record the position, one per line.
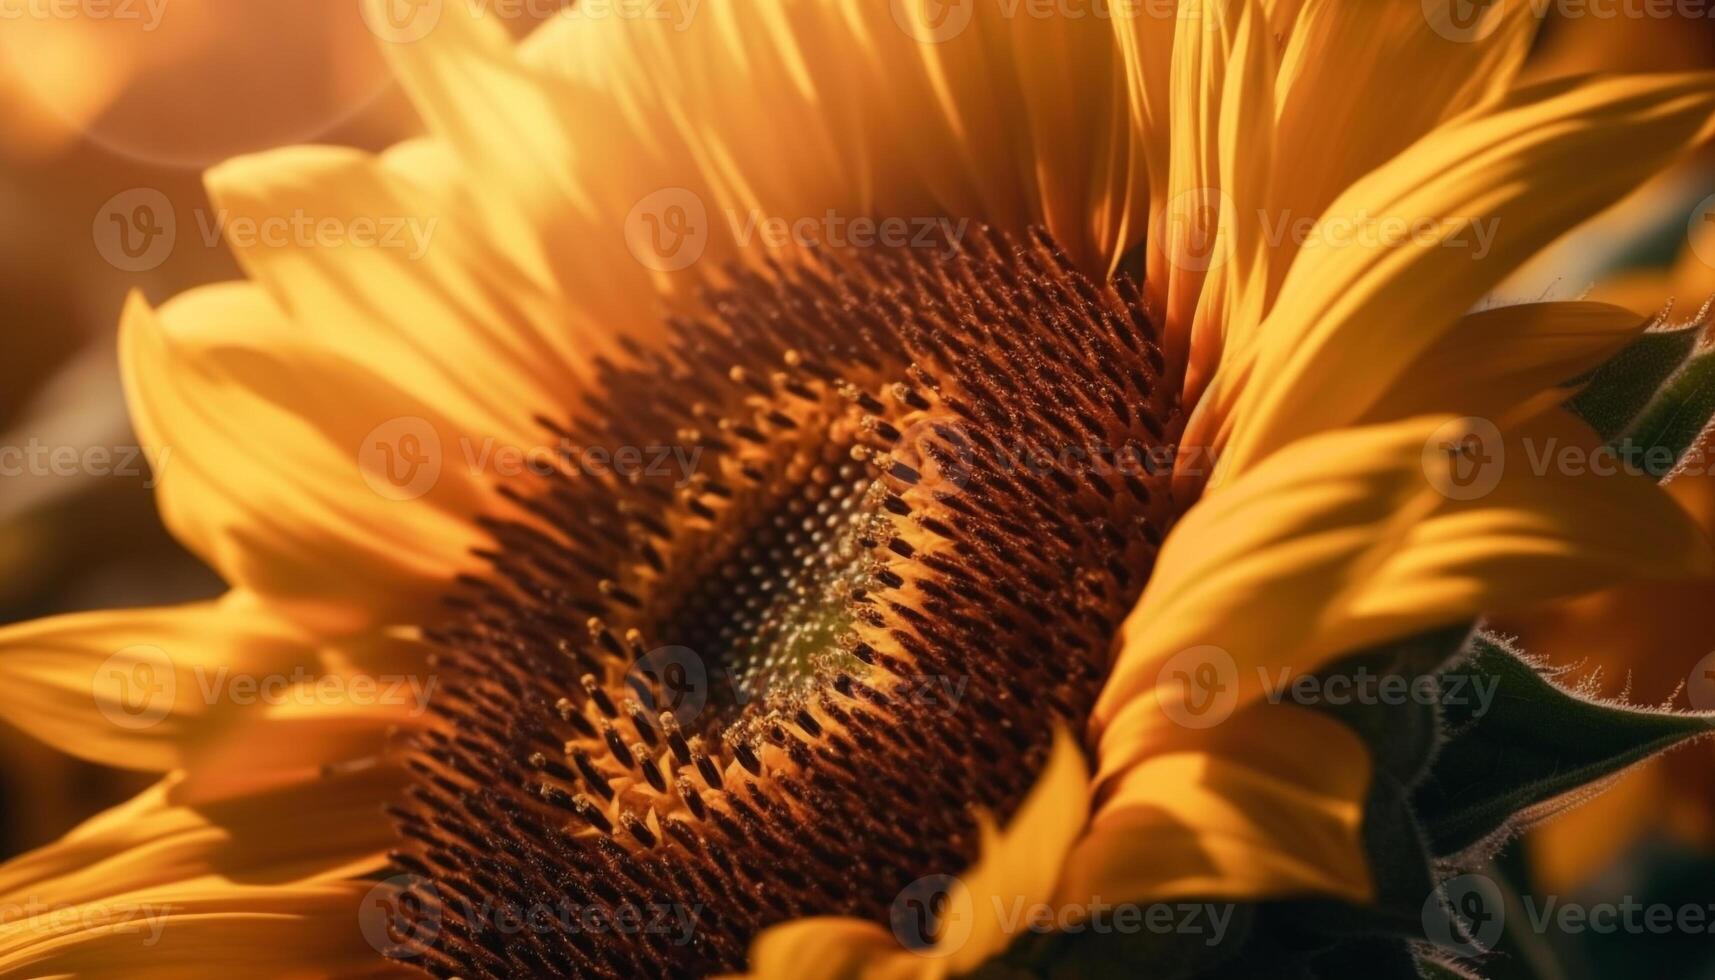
(114, 105)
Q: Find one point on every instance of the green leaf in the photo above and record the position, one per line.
(1532, 746)
(1654, 399)
(1402, 737)
(1617, 393)
(1673, 420)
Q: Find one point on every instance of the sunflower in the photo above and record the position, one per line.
(973, 547)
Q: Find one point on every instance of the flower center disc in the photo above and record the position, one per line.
(780, 682)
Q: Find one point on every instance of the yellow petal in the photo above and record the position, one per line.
(388, 262)
(1077, 142)
(1639, 641)
(1351, 538)
(179, 882)
(342, 496)
(129, 688)
(787, 109)
(1333, 43)
(1269, 804)
(1248, 165)
(1224, 67)
(1146, 49)
(1493, 361)
(304, 729)
(1489, 362)
(1020, 866)
(308, 829)
(296, 931)
(1494, 187)
(829, 948)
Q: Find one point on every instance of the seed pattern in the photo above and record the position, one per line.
(784, 686)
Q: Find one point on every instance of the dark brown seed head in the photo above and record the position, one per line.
(775, 674)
